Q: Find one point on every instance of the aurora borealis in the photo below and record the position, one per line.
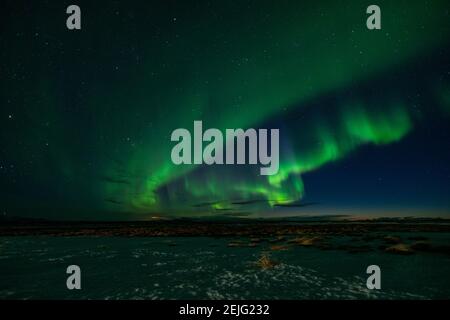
(86, 116)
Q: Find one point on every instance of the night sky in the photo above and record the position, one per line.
(86, 116)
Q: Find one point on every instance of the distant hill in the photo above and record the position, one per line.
(230, 218)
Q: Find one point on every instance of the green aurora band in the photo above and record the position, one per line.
(241, 92)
